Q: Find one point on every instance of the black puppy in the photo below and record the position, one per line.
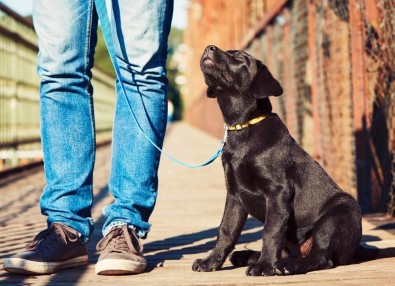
(310, 223)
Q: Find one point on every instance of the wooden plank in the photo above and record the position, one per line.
(184, 225)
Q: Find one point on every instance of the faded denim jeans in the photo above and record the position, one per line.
(67, 32)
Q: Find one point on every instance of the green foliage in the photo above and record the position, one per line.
(102, 58)
(175, 38)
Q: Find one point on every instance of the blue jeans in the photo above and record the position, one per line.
(67, 32)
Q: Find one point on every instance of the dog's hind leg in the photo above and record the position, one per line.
(317, 261)
(285, 265)
(244, 257)
(335, 238)
(313, 257)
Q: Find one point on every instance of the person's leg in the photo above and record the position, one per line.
(67, 33)
(67, 37)
(140, 31)
(141, 28)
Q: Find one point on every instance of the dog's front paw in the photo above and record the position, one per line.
(205, 265)
(260, 269)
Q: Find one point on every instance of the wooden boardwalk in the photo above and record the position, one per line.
(185, 220)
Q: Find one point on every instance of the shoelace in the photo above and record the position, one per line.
(53, 234)
(120, 240)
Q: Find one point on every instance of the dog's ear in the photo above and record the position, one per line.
(264, 84)
(211, 93)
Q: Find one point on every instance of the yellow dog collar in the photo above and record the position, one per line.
(246, 124)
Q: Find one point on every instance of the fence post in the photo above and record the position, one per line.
(312, 51)
(14, 104)
(359, 95)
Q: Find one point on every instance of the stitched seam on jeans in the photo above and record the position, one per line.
(91, 107)
(163, 50)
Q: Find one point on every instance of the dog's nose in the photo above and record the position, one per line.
(211, 48)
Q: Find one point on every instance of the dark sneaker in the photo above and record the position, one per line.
(121, 253)
(52, 249)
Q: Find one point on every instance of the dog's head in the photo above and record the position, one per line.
(239, 81)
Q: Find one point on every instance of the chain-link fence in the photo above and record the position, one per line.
(379, 54)
(336, 61)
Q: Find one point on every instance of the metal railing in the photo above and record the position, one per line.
(19, 94)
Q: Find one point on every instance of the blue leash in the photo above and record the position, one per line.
(101, 9)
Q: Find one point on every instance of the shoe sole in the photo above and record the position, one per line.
(23, 266)
(119, 266)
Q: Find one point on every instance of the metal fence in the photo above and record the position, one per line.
(336, 61)
(19, 93)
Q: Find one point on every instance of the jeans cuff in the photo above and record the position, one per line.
(140, 233)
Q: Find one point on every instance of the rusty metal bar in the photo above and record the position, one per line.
(311, 14)
(268, 17)
(359, 96)
(288, 93)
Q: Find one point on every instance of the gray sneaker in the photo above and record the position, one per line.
(52, 249)
(121, 253)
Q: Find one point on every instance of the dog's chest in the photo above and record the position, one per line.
(253, 203)
(247, 186)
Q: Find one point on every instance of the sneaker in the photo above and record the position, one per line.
(52, 249)
(121, 253)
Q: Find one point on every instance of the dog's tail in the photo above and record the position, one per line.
(367, 252)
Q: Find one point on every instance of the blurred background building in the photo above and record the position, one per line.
(334, 58)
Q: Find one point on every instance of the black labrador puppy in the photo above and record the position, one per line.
(310, 223)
